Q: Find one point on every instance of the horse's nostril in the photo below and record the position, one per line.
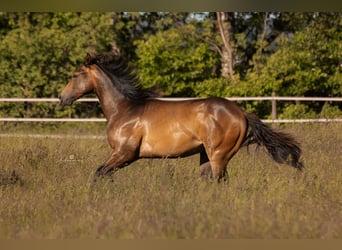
(61, 100)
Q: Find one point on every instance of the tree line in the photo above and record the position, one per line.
(192, 54)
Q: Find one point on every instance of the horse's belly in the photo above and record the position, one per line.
(170, 146)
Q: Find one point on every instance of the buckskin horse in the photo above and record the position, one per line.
(142, 126)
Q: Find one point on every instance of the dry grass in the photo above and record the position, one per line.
(51, 195)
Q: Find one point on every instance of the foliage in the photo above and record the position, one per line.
(297, 111)
(130, 27)
(292, 54)
(41, 50)
(175, 61)
(303, 66)
(330, 111)
(212, 87)
(307, 64)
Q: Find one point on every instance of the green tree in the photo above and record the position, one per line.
(130, 27)
(39, 52)
(175, 61)
(307, 63)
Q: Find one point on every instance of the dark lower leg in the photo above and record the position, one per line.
(205, 167)
(103, 171)
(219, 171)
(115, 162)
(205, 170)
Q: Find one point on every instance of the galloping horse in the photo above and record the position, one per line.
(141, 126)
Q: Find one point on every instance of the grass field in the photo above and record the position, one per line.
(51, 194)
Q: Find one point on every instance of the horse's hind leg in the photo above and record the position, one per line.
(219, 170)
(220, 158)
(216, 166)
(205, 167)
(219, 161)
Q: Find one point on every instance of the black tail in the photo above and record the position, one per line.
(282, 147)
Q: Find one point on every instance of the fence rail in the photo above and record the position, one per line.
(255, 98)
(272, 98)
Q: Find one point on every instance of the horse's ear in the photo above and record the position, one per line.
(87, 59)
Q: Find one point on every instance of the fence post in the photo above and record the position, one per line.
(274, 106)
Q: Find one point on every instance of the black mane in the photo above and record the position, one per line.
(122, 76)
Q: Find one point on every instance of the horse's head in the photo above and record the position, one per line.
(81, 83)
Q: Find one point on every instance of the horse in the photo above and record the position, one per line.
(140, 125)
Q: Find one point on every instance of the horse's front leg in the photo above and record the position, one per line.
(116, 161)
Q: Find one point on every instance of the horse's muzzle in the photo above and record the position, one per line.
(65, 101)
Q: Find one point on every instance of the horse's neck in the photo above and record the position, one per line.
(110, 99)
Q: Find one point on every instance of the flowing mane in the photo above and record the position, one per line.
(122, 76)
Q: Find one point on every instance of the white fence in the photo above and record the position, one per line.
(274, 100)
